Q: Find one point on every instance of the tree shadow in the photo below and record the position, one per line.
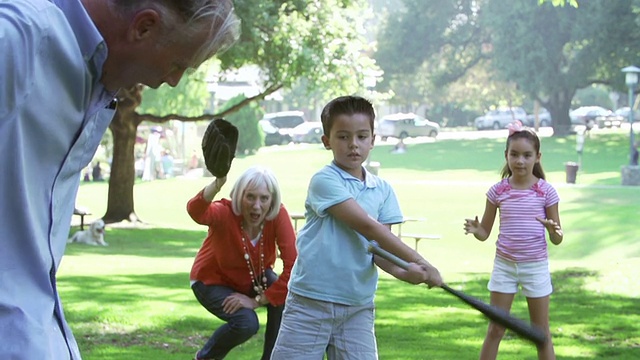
(151, 242)
(412, 322)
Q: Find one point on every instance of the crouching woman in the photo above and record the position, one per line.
(233, 274)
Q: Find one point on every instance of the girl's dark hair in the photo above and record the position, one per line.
(535, 141)
(346, 105)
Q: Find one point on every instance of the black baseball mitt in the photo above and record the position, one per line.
(219, 146)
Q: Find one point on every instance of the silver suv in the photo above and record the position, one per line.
(403, 125)
(500, 118)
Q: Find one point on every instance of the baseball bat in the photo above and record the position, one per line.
(493, 313)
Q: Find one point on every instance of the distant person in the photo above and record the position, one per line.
(193, 162)
(233, 274)
(62, 64)
(139, 167)
(152, 165)
(87, 174)
(399, 148)
(96, 172)
(528, 207)
(634, 154)
(330, 308)
(167, 164)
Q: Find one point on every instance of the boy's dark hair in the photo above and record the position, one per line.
(535, 141)
(346, 105)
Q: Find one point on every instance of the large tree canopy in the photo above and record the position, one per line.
(551, 52)
(548, 52)
(319, 42)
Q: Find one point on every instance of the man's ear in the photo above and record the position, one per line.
(325, 142)
(144, 24)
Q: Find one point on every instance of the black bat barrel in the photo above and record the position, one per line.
(501, 317)
(494, 314)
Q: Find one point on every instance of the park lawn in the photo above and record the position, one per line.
(132, 300)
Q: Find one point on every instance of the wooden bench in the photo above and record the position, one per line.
(82, 212)
(418, 237)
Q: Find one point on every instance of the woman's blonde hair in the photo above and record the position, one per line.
(257, 176)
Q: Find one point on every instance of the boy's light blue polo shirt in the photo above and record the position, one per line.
(333, 263)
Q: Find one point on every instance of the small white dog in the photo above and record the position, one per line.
(93, 236)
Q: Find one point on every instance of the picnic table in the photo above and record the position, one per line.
(417, 237)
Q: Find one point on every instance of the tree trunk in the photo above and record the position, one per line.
(124, 127)
(559, 105)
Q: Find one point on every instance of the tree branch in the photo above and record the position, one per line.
(161, 119)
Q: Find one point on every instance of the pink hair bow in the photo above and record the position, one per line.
(515, 127)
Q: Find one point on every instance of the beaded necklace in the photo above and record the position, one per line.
(258, 287)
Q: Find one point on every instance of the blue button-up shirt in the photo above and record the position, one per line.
(53, 113)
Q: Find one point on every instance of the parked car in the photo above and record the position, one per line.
(404, 125)
(590, 116)
(500, 118)
(273, 135)
(285, 119)
(307, 132)
(277, 126)
(624, 112)
(544, 118)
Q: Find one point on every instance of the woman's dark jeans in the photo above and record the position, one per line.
(241, 325)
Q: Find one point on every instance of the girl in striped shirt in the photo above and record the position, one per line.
(528, 208)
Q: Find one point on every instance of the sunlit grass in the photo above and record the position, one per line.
(132, 300)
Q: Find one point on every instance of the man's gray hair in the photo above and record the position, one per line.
(184, 18)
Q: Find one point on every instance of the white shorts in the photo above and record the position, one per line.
(534, 277)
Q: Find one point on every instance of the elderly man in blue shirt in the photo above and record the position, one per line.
(61, 65)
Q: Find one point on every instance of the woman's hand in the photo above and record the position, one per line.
(237, 301)
(219, 182)
(213, 188)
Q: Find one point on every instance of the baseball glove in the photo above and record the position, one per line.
(219, 146)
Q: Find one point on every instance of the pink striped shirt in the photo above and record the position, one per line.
(522, 238)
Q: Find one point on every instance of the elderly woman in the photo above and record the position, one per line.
(232, 274)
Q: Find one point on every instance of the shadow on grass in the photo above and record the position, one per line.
(592, 231)
(154, 242)
(412, 322)
(584, 324)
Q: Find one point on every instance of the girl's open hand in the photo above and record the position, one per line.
(471, 226)
(552, 226)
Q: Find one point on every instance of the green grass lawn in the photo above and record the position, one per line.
(132, 300)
